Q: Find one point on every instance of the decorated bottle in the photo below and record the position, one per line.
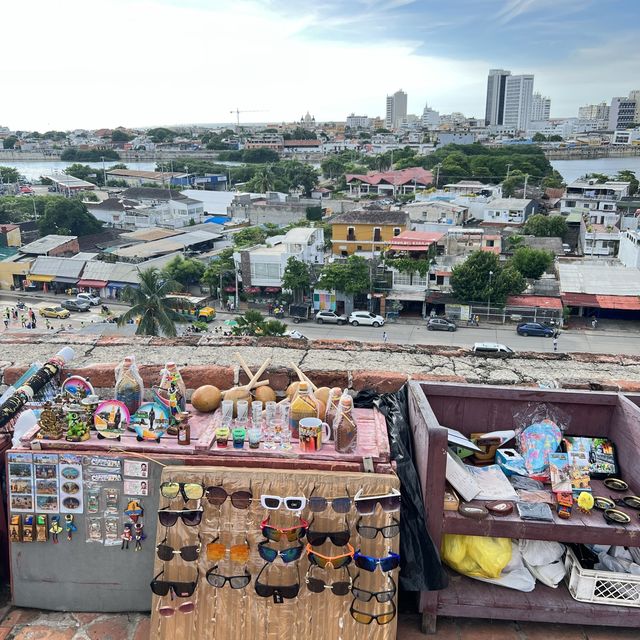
(344, 426)
(129, 387)
(333, 402)
(172, 374)
(303, 405)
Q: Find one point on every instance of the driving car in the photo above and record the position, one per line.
(534, 329)
(365, 318)
(491, 350)
(91, 298)
(75, 305)
(330, 317)
(54, 312)
(441, 324)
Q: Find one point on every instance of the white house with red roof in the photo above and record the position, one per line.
(390, 183)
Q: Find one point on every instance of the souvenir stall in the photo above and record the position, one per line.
(104, 493)
(534, 500)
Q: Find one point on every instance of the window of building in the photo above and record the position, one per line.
(351, 233)
(396, 231)
(491, 243)
(359, 247)
(265, 271)
(344, 254)
(571, 203)
(377, 234)
(439, 279)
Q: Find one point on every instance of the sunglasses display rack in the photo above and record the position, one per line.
(263, 554)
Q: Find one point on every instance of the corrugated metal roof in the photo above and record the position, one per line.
(630, 303)
(598, 277)
(46, 244)
(166, 245)
(543, 302)
(62, 267)
(97, 270)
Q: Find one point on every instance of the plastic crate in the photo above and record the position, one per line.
(600, 587)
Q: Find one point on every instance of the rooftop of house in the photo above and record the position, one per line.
(299, 235)
(508, 203)
(598, 277)
(149, 235)
(397, 218)
(6, 228)
(151, 175)
(302, 143)
(42, 246)
(165, 245)
(415, 240)
(113, 204)
(398, 178)
(61, 267)
(151, 193)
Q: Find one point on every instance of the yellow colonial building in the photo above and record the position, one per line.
(366, 231)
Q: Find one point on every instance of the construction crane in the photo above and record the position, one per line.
(239, 111)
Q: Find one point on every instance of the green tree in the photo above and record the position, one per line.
(85, 172)
(481, 277)
(120, 135)
(260, 156)
(333, 166)
(248, 237)
(509, 185)
(600, 178)
(9, 174)
(545, 226)
(67, 216)
(151, 302)
(263, 180)
(89, 155)
(298, 175)
(554, 181)
(350, 276)
(186, 271)
(557, 227)
(253, 323)
(220, 270)
(539, 137)
(9, 142)
(300, 133)
(161, 134)
(296, 277)
(555, 138)
(531, 263)
(313, 213)
(623, 176)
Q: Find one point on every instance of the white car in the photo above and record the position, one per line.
(365, 318)
(91, 298)
(294, 333)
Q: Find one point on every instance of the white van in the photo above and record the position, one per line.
(492, 350)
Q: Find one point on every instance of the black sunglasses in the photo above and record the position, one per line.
(167, 553)
(364, 595)
(218, 581)
(319, 503)
(338, 588)
(367, 531)
(288, 592)
(180, 589)
(338, 538)
(217, 496)
(190, 517)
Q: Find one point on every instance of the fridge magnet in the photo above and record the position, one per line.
(42, 528)
(134, 510)
(55, 529)
(69, 526)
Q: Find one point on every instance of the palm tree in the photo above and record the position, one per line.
(151, 303)
(264, 179)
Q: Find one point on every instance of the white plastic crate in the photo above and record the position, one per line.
(601, 587)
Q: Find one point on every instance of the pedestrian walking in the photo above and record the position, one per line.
(555, 342)
(385, 337)
(23, 320)
(6, 324)
(594, 323)
(33, 321)
(7, 313)
(32, 315)
(15, 314)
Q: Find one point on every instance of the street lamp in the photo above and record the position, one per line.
(489, 295)
(438, 174)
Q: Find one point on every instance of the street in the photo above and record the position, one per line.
(614, 338)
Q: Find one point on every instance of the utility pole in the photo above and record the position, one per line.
(104, 173)
(438, 174)
(526, 179)
(508, 169)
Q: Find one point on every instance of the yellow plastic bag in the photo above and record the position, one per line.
(476, 555)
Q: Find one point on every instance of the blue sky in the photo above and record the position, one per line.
(146, 62)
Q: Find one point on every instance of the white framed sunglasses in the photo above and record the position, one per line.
(292, 503)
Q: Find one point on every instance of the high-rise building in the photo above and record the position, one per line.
(635, 95)
(496, 85)
(358, 122)
(594, 112)
(396, 109)
(540, 107)
(430, 117)
(622, 113)
(518, 97)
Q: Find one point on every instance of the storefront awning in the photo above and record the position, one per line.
(119, 285)
(36, 278)
(65, 280)
(630, 303)
(417, 296)
(96, 284)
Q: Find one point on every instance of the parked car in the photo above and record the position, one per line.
(91, 298)
(441, 324)
(75, 305)
(534, 329)
(365, 318)
(54, 312)
(491, 350)
(330, 317)
(295, 334)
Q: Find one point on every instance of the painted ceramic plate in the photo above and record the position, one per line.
(70, 473)
(71, 503)
(70, 487)
(111, 415)
(140, 417)
(77, 387)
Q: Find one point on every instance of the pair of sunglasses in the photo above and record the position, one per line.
(316, 585)
(369, 563)
(291, 534)
(217, 551)
(633, 502)
(179, 589)
(188, 490)
(189, 554)
(364, 595)
(369, 532)
(190, 517)
(330, 562)
(218, 580)
(288, 592)
(338, 538)
(339, 505)
(292, 503)
(217, 496)
(287, 555)
(166, 611)
(366, 505)
(368, 618)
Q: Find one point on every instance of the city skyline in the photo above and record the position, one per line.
(143, 63)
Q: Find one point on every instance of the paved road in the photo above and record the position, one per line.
(602, 340)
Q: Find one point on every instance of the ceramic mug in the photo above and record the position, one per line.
(312, 432)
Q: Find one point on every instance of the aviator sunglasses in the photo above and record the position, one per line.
(217, 551)
(167, 611)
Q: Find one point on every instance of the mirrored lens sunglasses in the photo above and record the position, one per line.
(368, 618)
(286, 555)
(369, 563)
(330, 562)
(275, 534)
(188, 490)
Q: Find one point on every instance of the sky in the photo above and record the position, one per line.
(89, 64)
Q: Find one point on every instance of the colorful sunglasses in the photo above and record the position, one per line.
(368, 563)
(217, 551)
(315, 585)
(330, 562)
(364, 595)
(369, 532)
(189, 554)
(235, 582)
(288, 592)
(275, 534)
(292, 503)
(190, 517)
(338, 538)
(189, 490)
(288, 555)
(166, 611)
(368, 618)
(366, 505)
(217, 496)
(179, 589)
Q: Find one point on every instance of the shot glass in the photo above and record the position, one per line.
(242, 410)
(256, 413)
(238, 435)
(255, 435)
(227, 413)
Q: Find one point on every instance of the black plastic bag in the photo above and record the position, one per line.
(420, 566)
